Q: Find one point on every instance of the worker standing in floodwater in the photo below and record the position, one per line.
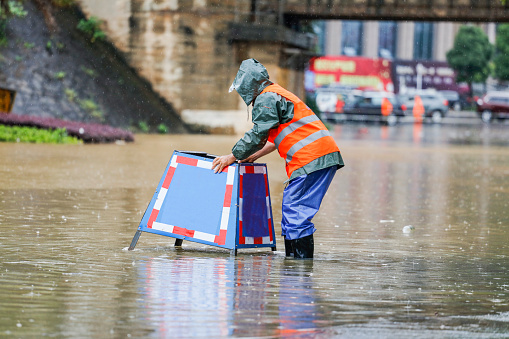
(282, 121)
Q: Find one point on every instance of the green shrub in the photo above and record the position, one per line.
(70, 94)
(91, 107)
(162, 129)
(143, 126)
(59, 75)
(91, 27)
(36, 135)
(90, 72)
(51, 44)
(88, 105)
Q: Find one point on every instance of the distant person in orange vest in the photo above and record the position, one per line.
(418, 110)
(340, 103)
(386, 107)
(282, 121)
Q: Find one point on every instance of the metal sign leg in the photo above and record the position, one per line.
(135, 240)
(178, 242)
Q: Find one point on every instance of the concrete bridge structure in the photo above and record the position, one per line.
(190, 50)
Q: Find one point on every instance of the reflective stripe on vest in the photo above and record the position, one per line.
(304, 142)
(293, 126)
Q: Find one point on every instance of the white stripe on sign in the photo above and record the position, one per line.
(231, 175)
(266, 240)
(242, 170)
(204, 236)
(224, 218)
(267, 200)
(160, 198)
(259, 169)
(204, 164)
(249, 240)
(162, 227)
(173, 162)
(240, 209)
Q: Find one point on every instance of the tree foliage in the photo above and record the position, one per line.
(502, 53)
(470, 56)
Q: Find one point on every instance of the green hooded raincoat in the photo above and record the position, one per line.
(269, 110)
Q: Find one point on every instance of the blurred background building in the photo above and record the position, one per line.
(391, 39)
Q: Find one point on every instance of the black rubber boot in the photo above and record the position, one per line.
(288, 248)
(303, 248)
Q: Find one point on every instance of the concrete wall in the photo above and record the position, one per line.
(181, 47)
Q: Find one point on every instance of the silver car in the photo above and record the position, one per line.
(435, 104)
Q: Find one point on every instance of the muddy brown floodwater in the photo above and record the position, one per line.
(412, 241)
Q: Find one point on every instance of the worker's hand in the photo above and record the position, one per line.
(221, 162)
(251, 158)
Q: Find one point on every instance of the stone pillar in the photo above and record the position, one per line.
(333, 37)
(444, 34)
(370, 42)
(405, 40)
(491, 31)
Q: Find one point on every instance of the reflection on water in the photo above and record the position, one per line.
(180, 294)
(252, 296)
(429, 134)
(67, 214)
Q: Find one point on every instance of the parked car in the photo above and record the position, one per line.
(435, 105)
(455, 100)
(330, 99)
(367, 105)
(493, 105)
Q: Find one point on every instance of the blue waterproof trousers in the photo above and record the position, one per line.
(301, 201)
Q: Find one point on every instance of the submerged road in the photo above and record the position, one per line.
(411, 241)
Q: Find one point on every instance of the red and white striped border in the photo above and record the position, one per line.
(219, 239)
(255, 240)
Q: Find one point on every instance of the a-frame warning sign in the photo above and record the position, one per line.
(231, 209)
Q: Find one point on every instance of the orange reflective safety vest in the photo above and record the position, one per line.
(386, 107)
(302, 139)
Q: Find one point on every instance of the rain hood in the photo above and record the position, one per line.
(251, 80)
